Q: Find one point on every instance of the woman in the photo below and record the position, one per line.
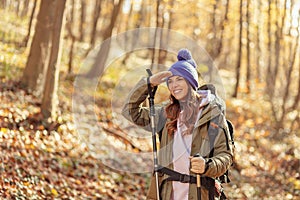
(183, 125)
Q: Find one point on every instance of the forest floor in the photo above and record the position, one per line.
(47, 160)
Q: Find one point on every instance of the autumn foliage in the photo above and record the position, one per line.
(254, 44)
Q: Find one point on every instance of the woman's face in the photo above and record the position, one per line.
(178, 87)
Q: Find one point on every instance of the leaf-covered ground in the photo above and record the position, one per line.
(41, 160)
(47, 160)
(267, 161)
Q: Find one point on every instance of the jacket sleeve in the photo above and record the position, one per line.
(223, 152)
(135, 111)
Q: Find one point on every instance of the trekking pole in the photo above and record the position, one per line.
(198, 182)
(151, 92)
(198, 187)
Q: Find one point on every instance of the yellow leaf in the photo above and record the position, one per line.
(250, 123)
(54, 192)
(4, 130)
(29, 146)
(297, 184)
(26, 183)
(136, 150)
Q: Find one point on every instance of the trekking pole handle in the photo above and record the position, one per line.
(198, 181)
(149, 72)
(198, 175)
(151, 90)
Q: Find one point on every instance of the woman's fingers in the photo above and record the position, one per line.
(197, 165)
(160, 77)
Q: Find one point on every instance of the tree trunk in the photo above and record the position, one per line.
(50, 100)
(82, 20)
(25, 8)
(248, 71)
(215, 40)
(165, 37)
(93, 35)
(291, 63)
(96, 16)
(239, 54)
(26, 39)
(274, 72)
(71, 35)
(225, 21)
(269, 87)
(38, 59)
(17, 5)
(3, 4)
(163, 43)
(279, 31)
(297, 97)
(153, 52)
(138, 24)
(259, 53)
(98, 67)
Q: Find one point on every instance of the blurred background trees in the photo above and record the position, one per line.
(255, 42)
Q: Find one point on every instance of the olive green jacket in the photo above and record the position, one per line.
(134, 111)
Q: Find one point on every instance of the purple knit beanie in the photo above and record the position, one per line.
(186, 68)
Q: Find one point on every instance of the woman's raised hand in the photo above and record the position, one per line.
(159, 77)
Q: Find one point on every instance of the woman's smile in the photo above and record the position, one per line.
(176, 91)
(178, 87)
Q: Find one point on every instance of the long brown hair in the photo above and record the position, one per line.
(190, 110)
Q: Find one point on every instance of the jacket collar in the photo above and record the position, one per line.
(209, 112)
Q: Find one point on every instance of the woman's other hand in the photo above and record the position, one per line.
(197, 165)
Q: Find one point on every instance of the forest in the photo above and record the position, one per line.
(66, 67)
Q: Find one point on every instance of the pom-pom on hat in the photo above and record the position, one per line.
(186, 68)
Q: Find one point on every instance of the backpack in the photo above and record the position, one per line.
(225, 177)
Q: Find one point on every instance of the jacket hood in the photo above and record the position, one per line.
(212, 106)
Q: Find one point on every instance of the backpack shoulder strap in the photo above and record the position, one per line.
(231, 131)
(213, 129)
